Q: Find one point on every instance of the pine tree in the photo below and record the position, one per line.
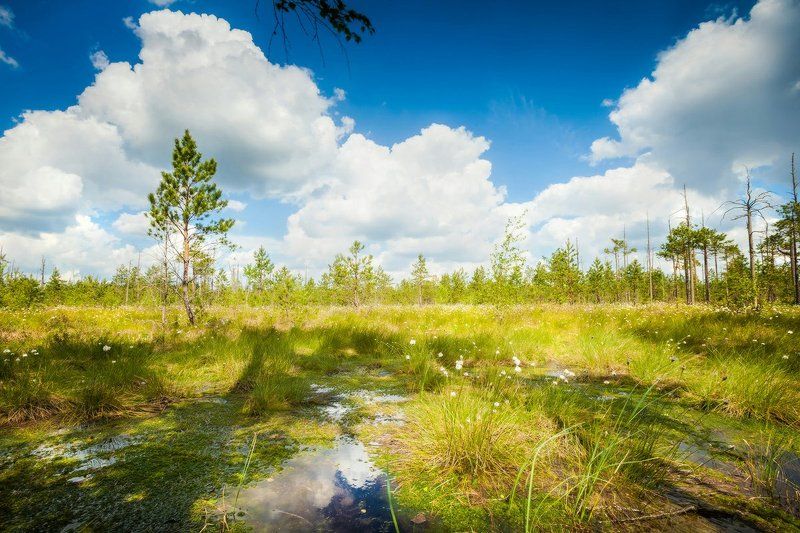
(259, 271)
(353, 276)
(187, 203)
(420, 276)
(508, 263)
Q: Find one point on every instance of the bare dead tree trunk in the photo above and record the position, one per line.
(727, 293)
(675, 278)
(165, 288)
(752, 203)
(689, 256)
(751, 249)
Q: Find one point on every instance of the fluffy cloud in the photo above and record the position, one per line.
(83, 246)
(132, 223)
(75, 161)
(266, 124)
(595, 208)
(720, 98)
(428, 194)
(236, 205)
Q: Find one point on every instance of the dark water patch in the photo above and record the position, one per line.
(703, 517)
(787, 483)
(701, 456)
(331, 489)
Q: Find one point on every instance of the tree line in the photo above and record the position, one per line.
(703, 264)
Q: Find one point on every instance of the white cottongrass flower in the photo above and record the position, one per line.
(24, 355)
(6, 351)
(502, 372)
(408, 357)
(790, 332)
(517, 369)
(497, 404)
(516, 360)
(786, 357)
(106, 348)
(459, 364)
(452, 394)
(606, 382)
(412, 342)
(440, 354)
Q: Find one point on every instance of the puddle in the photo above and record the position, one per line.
(96, 464)
(787, 484)
(340, 405)
(372, 397)
(336, 411)
(702, 519)
(700, 456)
(321, 389)
(384, 418)
(330, 489)
(87, 455)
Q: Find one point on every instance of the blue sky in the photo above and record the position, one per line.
(530, 77)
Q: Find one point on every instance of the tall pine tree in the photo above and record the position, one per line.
(187, 204)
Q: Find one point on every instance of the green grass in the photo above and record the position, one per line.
(543, 418)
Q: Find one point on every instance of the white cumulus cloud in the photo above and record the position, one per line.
(720, 98)
(132, 223)
(724, 95)
(428, 194)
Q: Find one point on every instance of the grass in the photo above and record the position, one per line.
(548, 418)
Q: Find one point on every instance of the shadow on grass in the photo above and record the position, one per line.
(184, 456)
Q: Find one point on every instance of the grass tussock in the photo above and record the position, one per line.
(468, 437)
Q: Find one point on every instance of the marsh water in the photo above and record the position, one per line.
(331, 489)
(326, 488)
(128, 477)
(150, 475)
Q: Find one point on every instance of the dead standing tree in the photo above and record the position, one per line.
(752, 204)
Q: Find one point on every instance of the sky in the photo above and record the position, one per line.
(584, 118)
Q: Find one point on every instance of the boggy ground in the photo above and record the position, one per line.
(416, 418)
